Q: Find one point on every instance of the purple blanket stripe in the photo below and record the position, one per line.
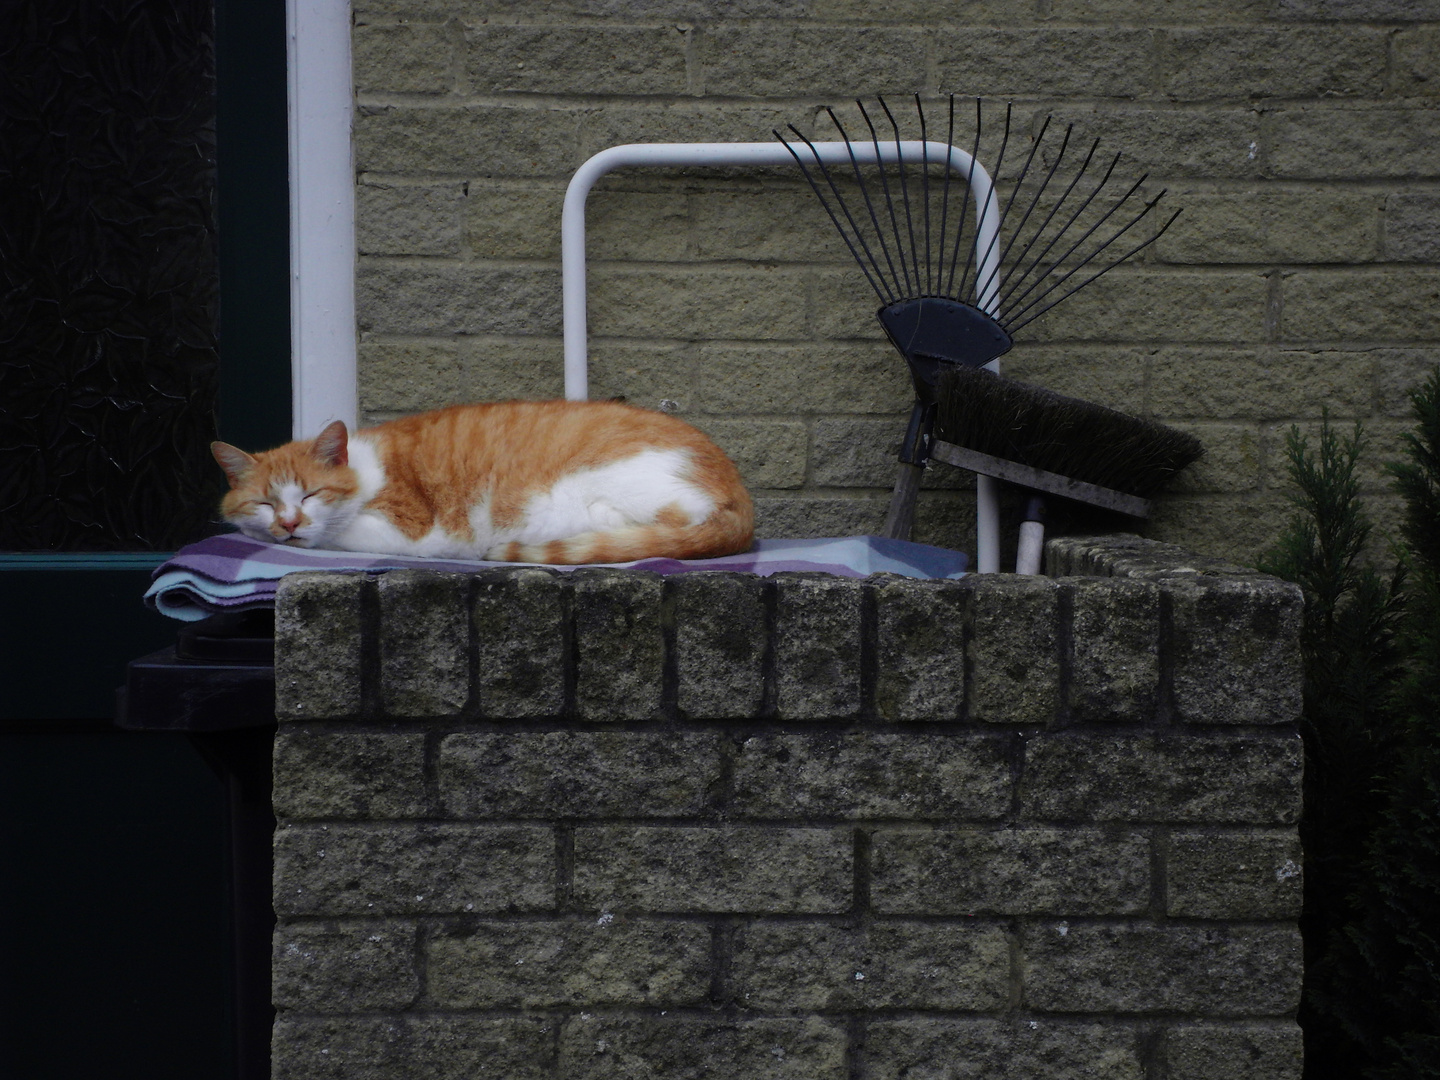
(233, 572)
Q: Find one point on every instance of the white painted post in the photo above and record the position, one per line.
(322, 215)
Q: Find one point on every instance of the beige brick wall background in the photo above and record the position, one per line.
(1302, 138)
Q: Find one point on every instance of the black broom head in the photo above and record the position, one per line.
(1002, 418)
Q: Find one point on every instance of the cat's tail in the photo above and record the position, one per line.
(728, 530)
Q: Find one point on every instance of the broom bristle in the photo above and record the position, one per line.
(1006, 419)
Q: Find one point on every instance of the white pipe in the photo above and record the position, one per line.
(681, 155)
(322, 215)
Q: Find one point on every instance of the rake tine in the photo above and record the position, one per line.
(1005, 214)
(1014, 308)
(925, 187)
(884, 299)
(904, 191)
(1091, 256)
(889, 202)
(964, 205)
(999, 162)
(1011, 300)
(1034, 202)
(945, 197)
(1014, 281)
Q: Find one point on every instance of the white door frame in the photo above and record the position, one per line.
(321, 109)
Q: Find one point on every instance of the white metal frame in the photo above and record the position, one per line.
(679, 155)
(321, 107)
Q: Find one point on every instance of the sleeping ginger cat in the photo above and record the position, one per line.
(516, 481)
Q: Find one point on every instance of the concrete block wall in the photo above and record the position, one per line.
(604, 823)
(1301, 137)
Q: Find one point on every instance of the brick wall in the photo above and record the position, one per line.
(1301, 136)
(605, 824)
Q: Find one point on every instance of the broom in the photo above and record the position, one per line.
(1052, 444)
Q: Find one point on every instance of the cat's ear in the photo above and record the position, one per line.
(332, 446)
(233, 460)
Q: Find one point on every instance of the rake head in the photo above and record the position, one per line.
(946, 302)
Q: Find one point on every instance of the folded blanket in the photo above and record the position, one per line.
(235, 573)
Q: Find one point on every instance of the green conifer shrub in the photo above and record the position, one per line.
(1371, 725)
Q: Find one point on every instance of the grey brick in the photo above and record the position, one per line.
(578, 774)
(349, 774)
(1238, 780)
(1412, 227)
(1235, 970)
(720, 637)
(1210, 142)
(919, 648)
(1013, 649)
(890, 965)
(467, 140)
(618, 644)
(605, 1047)
(784, 224)
(752, 379)
(1289, 62)
(403, 870)
(1115, 664)
(620, 868)
(654, 376)
(394, 1048)
(1398, 372)
(1357, 10)
(1138, 303)
(1080, 62)
(317, 675)
(413, 59)
(510, 219)
(1236, 650)
(1330, 144)
(694, 119)
(1232, 460)
(1236, 1051)
(955, 1049)
(1397, 304)
(604, 962)
(406, 298)
(806, 515)
(1234, 875)
(696, 303)
(1263, 226)
(424, 643)
(640, 226)
(411, 376)
(1235, 384)
(576, 60)
(1010, 872)
(870, 775)
(817, 645)
(769, 453)
(519, 617)
(408, 220)
(763, 61)
(1415, 67)
(350, 967)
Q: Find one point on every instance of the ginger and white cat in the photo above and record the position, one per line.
(515, 481)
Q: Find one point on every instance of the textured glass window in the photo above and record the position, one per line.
(109, 281)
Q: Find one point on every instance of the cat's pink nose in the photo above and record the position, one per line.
(288, 522)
